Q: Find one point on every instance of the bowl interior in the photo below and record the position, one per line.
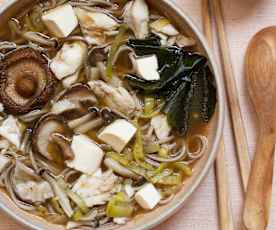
(183, 23)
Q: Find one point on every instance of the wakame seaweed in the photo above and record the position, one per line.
(186, 83)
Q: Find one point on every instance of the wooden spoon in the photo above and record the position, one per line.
(261, 79)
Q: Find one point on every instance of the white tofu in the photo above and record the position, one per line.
(161, 126)
(148, 196)
(11, 131)
(147, 67)
(4, 161)
(118, 134)
(60, 21)
(88, 155)
(69, 59)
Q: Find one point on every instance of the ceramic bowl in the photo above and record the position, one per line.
(180, 19)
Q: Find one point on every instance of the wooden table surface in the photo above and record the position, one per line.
(243, 19)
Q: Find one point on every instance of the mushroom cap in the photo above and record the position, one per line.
(75, 101)
(42, 138)
(26, 81)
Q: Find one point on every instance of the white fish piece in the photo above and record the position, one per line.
(60, 21)
(117, 98)
(34, 191)
(118, 134)
(161, 127)
(88, 155)
(94, 25)
(96, 189)
(10, 129)
(69, 59)
(137, 16)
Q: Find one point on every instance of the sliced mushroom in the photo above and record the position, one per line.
(26, 83)
(52, 138)
(124, 60)
(136, 15)
(97, 54)
(95, 24)
(74, 102)
(71, 80)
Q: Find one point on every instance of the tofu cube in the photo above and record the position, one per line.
(88, 155)
(147, 67)
(4, 161)
(11, 131)
(148, 196)
(118, 134)
(60, 21)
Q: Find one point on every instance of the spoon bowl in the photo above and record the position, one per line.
(261, 81)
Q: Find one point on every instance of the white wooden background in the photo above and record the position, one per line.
(243, 19)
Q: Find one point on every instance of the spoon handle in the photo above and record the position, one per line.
(258, 196)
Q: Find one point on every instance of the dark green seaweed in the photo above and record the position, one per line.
(186, 83)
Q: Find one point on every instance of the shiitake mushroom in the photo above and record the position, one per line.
(52, 138)
(26, 81)
(74, 102)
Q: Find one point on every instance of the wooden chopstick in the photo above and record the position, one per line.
(232, 95)
(225, 212)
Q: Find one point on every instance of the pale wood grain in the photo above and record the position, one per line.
(233, 100)
(261, 83)
(224, 206)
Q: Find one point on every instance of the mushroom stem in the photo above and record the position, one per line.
(64, 144)
(80, 121)
(96, 123)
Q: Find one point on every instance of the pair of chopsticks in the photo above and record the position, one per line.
(225, 213)
(224, 206)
